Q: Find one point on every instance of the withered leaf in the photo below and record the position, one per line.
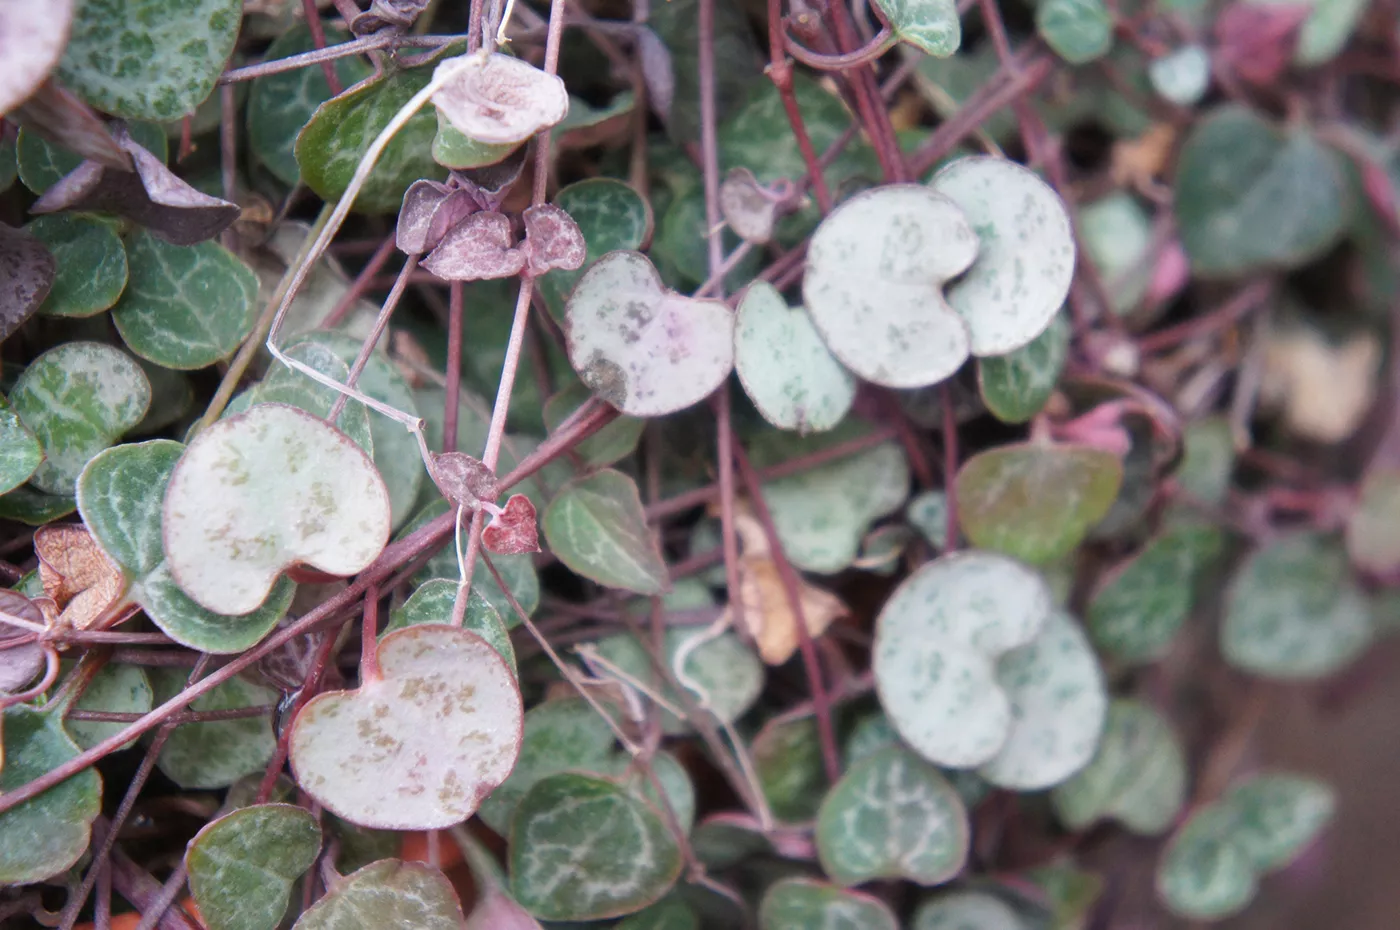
(552, 240)
(84, 584)
(27, 270)
(463, 479)
(513, 531)
(478, 248)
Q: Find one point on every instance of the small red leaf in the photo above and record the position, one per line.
(1256, 41)
(478, 248)
(513, 530)
(463, 479)
(552, 240)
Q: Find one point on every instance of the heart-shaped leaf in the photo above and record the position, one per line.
(596, 526)
(78, 399)
(113, 688)
(785, 367)
(242, 866)
(1250, 196)
(429, 210)
(386, 894)
(1025, 260)
(1034, 501)
(226, 533)
(31, 40)
(330, 146)
(149, 59)
(558, 736)
(612, 443)
(1139, 607)
(878, 264)
(1293, 611)
(517, 570)
(552, 240)
(1372, 539)
(479, 248)
(90, 261)
(215, 753)
(20, 450)
(368, 755)
(1212, 865)
(801, 904)
(49, 833)
(748, 208)
(513, 530)
(185, 307)
(27, 272)
(937, 642)
(1016, 386)
(966, 910)
(892, 815)
(279, 105)
(611, 216)
(645, 350)
(497, 99)
(930, 25)
(120, 496)
(1137, 776)
(1079, 31)
(463, 479)
(432, 603)
(583, 848)
(19, 665)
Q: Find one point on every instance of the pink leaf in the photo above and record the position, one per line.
(513, 530)
(478, 248)
(1256, 41)
(552, 240)
(1171, 274)
(27, 270)
(19, 665)
(463, 479)
(429, 210)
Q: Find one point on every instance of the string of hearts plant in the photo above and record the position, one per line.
(1048, 321)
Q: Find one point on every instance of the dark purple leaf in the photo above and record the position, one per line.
(32, 37)
(153, 196)
(387, 16)
(490, 184)
(463, 479)
(26, 273)
(478, 248)
(429, 210)
(64, 120)
(552, 240)
(513, 531)
(19, 665)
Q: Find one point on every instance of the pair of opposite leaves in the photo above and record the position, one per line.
(874, 291)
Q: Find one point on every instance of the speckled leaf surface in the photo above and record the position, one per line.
(242, 866)
(929, 25)
(78, 399)
(216, 753)
(370, 756)
(20, 450)
(1025, 257)
(878, 264)
(226, 538)
(966, 910)
(283, 384)
(644, 349)
(185, 307)
(677, 788)
(1137, 776)
(1036, 502)
(1016, 386)
(1293, 611)
(892, 815)
(1079, 31)
(497, 99)
(114, 688)
(784, 366)
(609, 445)
(432, 603)
(803, 904)
(91, 263)
(149, 59)
(937, 643)
(597, 527)
(388, 893)
(27, 272)
(611, 215)
(47, 834)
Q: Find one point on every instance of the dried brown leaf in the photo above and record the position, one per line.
(84, 584)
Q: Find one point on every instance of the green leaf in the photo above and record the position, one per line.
(785, 367)
(49, 833)
(432, 603)
(1372, 538)
(1079, 31)
(20, 450)
(217, 753)
(892, 815)
(518, 571)
(279, 105)
(1033, 501)
(1138, 607)
(1251, 197)
(341, 130)
(91, 263)
(802, 904)
(787, 756)
(453, 149)
(667, 914)
(928, 513)
(1326, 30)
(611, 215)
(242, 866)
(34, 508)
(1207, 461)
(1293, 611)
(1137, 776)
(930, 25)
(559, 735)
(41, 163)
(597, 527)
(78, 399)
(123, 689)
(420, 746)
(149, 59)
(938, 640)
(1016, 386)
(1116, 233)
(611, 444)
(185, 307)
(822, 513)
(677, 789)
(387, 894)
(738, 64)
(285, 385)
(966, 910)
